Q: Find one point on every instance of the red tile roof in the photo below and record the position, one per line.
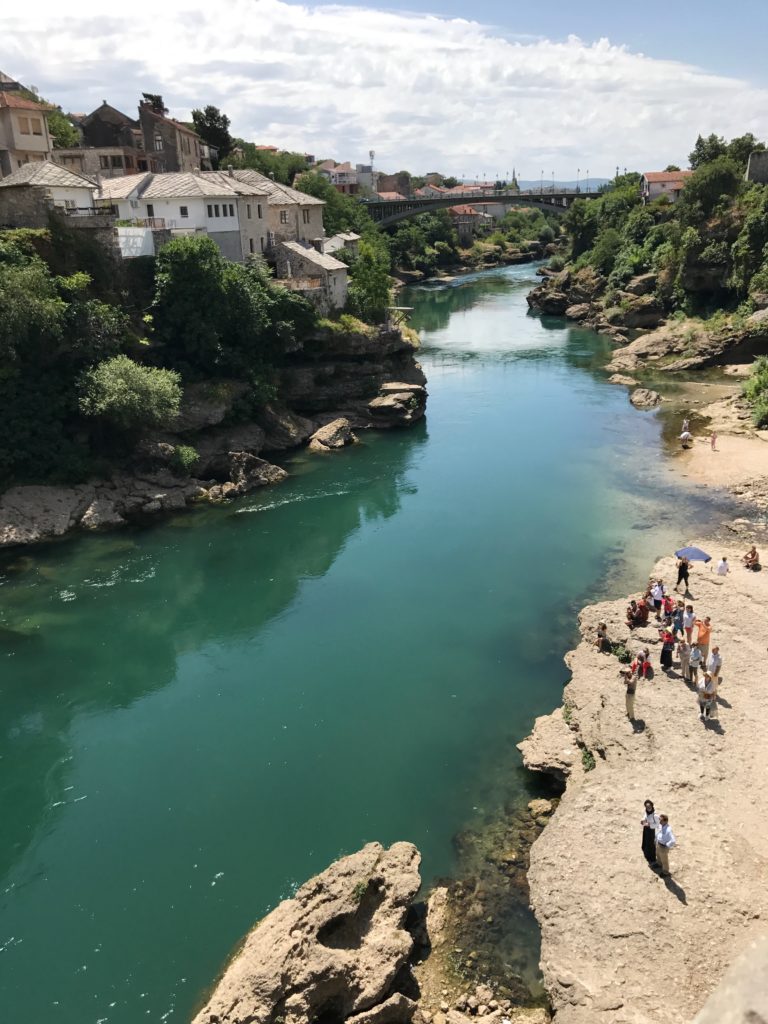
(389, 195)
(464, 211)
(666, 177)
(18, 102)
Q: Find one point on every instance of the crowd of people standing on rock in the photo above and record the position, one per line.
(685, 638)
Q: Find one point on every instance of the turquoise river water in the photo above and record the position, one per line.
(199, 716)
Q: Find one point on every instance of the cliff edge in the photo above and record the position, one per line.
(620, 944)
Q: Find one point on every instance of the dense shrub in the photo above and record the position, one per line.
(130, 396)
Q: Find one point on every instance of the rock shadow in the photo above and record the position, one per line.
(347, 931)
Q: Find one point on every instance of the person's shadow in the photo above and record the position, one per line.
(713, 724)
(670, 884)
(722, 701)
(677, 890)
(638, 725)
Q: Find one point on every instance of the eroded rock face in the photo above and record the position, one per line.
(207, 403)
(333, 952)
(283, 429)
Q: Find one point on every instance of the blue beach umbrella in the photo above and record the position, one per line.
(693, 555)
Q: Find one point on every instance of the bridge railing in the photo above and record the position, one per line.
(485, 193)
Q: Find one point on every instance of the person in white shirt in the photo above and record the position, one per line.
(657, 596)
(665, 841)
(714, 662)
(651, 824)
(694, 663)
(722, 567)
(706, 692)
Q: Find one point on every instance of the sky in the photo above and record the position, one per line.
(473, 90)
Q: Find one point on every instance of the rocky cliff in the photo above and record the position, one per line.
(619, 943)
(345, 379)
(634, 317)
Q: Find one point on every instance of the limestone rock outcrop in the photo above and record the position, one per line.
(207, 403)
(283, 428)
(336, 951)
(336, 434)
(645, 398)
(398, 404)
(621, 945)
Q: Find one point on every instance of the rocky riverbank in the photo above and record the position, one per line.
(635, 318)
(339, 381)
(619, 943)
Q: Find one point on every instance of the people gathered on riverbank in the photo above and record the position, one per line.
(686, 652)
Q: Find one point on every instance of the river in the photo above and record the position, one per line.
(199, 716)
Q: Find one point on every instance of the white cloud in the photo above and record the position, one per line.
(425, 92)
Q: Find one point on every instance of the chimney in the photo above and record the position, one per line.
(318, 244)
(230, 170)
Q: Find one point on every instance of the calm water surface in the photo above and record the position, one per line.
(198, 717)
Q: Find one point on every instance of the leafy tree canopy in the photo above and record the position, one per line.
(130, 396)
(213, 127)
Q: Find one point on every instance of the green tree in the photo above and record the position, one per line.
(130, 396)
(707, 150)
(369, 289)
(213, 127)
(342, 212)
(708, 185)
(670, 168)
(281, 166)
(740, 148)
(63, 134)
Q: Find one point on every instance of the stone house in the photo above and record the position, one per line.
(343, 177)
(232, 213)
(24, 135)
(173, 145)
(467, 220)
(654, 184)
(291, 215)
(319, 276)
(347, 240)
(28, 196)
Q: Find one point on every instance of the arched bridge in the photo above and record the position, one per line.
(390, 211)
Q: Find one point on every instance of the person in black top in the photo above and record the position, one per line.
(682, 573)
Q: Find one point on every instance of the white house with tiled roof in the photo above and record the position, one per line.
(291, 215)
(62, 187)
(24, 135)
(655, 184)
(233, 213)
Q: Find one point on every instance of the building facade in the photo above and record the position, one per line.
(670, 184)
(24, 135)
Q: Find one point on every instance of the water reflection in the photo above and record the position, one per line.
(98, 623)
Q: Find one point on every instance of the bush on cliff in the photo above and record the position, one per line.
(130, 396)
(369, 289)
(755, 390)
(213, 317)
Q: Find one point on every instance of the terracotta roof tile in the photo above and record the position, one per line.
(666, 177)
(18, 102)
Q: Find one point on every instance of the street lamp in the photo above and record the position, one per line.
(587, 179)
(553, 182)
(541, 185)
(578, 175)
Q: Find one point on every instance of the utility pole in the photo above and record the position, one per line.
(578, 175)
(541, 185)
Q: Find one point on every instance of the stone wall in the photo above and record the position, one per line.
(757, 168)
(24, 207)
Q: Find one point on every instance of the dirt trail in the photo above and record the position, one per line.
(620, 944)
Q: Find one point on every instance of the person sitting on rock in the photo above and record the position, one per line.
(752, 559)
(642, 612)
(602, 643)
(632, 614)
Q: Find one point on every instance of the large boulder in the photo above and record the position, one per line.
(579, 311)
(637, 311)
(34, 513)
(336, 434)
(332, 952)
(398, 404)
(645, 398)
(643, 284)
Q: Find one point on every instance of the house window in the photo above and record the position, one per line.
(183, 211)
(141, 164)
(37, 126)
(258, 211)
(116, 161)
(283, 216)
(248, 210)
(129, 162)
(150, 209)
(24, 126)
(305, 216)
(104, 163)
(250, 244)
(158, 143)
(216, 209)
(231, 210)
(210, 210)
(262, 244)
